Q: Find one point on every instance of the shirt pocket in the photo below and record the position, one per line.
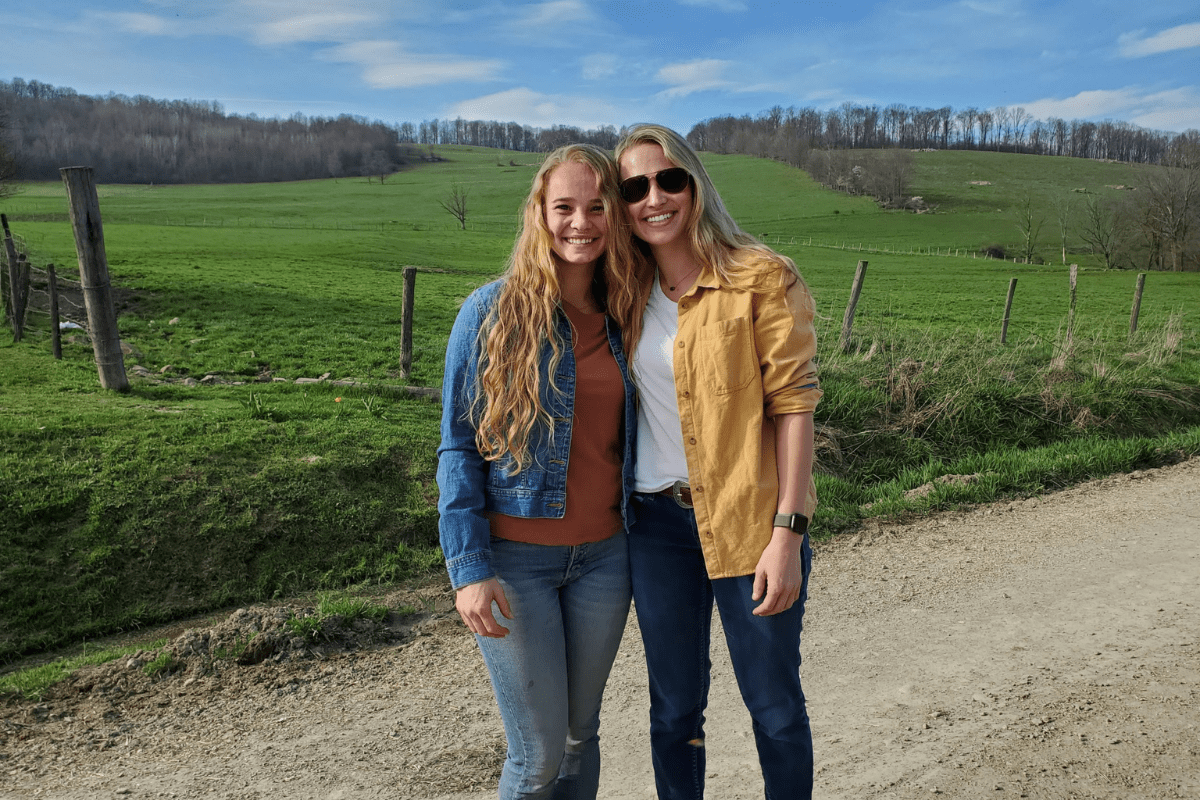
(727, 357)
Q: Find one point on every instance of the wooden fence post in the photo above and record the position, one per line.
(20, 294)
(1137, 304)
(410, 284)
(855, 291)
(10, 251)
(1071, 310)
(84, 207)
(1012, 289)
(55, 331)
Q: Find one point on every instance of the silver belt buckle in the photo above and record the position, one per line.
(677, 493)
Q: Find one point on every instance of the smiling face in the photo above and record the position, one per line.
(659, 218)
(575, 215)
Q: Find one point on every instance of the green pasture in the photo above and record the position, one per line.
(180, 496)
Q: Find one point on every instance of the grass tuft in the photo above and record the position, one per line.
(338, 610)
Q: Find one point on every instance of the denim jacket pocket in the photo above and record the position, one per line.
(727, 358)
(500, 477)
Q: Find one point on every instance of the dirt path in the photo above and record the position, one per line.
(1046, 648)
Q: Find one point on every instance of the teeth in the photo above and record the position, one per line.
(661, 217)
(580, 241)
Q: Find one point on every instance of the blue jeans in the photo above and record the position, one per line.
(569, 606)
(674, 598)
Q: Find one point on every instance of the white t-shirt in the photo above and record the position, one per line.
(660, 457)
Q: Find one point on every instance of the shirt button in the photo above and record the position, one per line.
(697, 488)
(691, 441)
(687, 394)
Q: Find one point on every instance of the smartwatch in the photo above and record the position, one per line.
(796, 523)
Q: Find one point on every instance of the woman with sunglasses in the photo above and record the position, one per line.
(533, 505)
(723, 486)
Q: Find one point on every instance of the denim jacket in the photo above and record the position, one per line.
(471, 486)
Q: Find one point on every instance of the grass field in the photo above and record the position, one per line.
(118, 510)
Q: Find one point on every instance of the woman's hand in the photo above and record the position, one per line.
(779, 574)
(474, 605)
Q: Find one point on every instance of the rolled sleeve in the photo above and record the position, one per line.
(787, 346)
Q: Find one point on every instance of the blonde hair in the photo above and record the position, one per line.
(718, 242)
(506, 403)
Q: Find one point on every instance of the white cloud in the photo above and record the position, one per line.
(1085, 105)
(139, 23)
(557, 24)
(694, 76)
(1171, 110)
(555, 12)
(272, 22)
(265, 22)
(994, 7)
(1181, 37)
(315, 26)
(598, 66)
(528, 107)
(720, 5)
(1176, 110)
(386, 66)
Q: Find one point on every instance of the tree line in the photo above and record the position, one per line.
(504, 135)
(789, 134)
(143, 140)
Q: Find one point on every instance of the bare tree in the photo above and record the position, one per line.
(1020, 121)
(1029, 223)
(891, 172)
(1101, 229)
(1170, 216)
(984, 121)
(378, 163)
(1064, 207)
(456, 204)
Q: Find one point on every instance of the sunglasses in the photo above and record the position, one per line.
(671, 181)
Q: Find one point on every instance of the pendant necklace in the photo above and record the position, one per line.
(684, 278)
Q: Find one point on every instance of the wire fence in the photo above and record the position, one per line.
(483, 225)
(72, 312)
(859, 247)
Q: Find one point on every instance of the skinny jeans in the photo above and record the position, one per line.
(570, 605)
(673, 597)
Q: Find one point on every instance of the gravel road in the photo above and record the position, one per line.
(1045, 648)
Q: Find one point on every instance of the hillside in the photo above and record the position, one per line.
(267, 447)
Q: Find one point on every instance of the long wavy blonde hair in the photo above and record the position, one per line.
(718, 242)
(506, 405)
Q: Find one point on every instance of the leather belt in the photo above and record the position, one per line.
(680, 492)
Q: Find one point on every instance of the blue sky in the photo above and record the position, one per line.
(615, 62)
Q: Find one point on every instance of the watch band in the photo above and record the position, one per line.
(796, 523)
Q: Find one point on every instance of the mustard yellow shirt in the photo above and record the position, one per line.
(742, 357)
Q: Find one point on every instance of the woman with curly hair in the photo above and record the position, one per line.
(533, 504)
(723, 485)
